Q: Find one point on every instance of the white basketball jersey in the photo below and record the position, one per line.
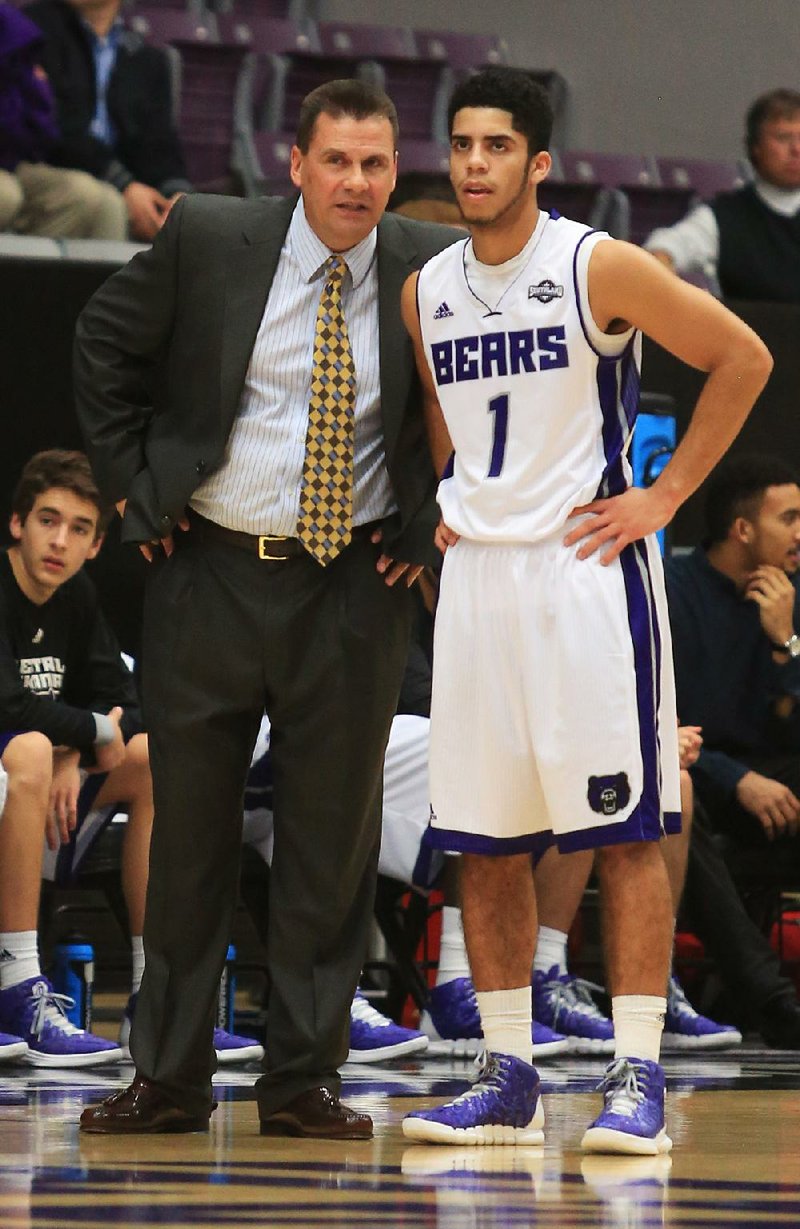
(538, 401)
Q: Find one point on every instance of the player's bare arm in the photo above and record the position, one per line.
(628, 287)
(438, 436)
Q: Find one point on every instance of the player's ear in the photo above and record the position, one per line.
(540, 167)
(15, 525)
(742, 530)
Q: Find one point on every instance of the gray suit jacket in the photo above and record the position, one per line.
(162, 350)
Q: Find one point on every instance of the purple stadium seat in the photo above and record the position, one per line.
(705, 177)
(461, 51)
(169, 27)
(266, 35)
(428, 157)
(269, 154)
(612, 170)
(655, 206)
(258, 8)
(583, 202)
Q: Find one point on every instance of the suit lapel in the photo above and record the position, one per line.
(250, 271)
(395, 263)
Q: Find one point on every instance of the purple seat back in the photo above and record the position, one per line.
(706, 177)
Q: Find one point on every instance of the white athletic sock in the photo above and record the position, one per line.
(506, 1017)
(137, 954)
(551, 949)
(19, 957)
(453, 960)
(638, 1025)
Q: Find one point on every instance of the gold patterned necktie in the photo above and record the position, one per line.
(325, 523)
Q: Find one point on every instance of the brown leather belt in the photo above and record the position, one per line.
(266, 546)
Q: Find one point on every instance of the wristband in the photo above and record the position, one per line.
(104, 730)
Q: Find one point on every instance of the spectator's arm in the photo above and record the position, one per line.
(692, 243)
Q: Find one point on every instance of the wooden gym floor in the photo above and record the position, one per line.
(734, 1119)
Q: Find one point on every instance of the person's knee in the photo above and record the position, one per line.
(28, 761)
(101, 208)
(11, 199)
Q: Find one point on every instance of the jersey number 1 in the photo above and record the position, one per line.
(499, 407)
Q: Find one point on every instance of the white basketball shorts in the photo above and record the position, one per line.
(553, 699)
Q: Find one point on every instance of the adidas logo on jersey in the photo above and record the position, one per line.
(442, 312)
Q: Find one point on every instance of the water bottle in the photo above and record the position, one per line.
(227, 992)
(73, 975)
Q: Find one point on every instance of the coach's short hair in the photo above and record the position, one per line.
(62, 468)
(777, 104)
(350, 97)
(737, 488)
(512, 90)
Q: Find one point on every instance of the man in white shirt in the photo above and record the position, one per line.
(748, 241)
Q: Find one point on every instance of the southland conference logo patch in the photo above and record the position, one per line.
(607, 795)
(546, 291)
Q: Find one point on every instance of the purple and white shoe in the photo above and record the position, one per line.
(502, 1107)
(12, 1047)
(34, 1012)
(565, 1003)
(376, 1039)
(686, 1029)
(230, 1047)
(452, 1024)
(632, 1119)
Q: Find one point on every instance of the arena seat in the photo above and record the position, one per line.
(704, 176)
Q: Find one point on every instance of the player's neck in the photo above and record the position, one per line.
(30, 587)
(500, 241)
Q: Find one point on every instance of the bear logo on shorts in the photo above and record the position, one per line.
(607, 795)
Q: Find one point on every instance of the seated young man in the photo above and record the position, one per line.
(71, 748)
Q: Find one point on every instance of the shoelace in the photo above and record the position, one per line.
(363, 1010)
(490, 1070)
(51, 1008)
(621, 1084)
(575, 992)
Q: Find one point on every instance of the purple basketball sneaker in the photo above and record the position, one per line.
(632, 1119)
(565, 1003)
(686, 1029)
(502, 1107)
(452, 1024)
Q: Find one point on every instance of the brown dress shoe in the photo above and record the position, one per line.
(141, 1109)
(317, 1114)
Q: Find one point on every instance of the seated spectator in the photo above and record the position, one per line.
(734, 610)
(70, 744)
(36, 198)
(114, 107)
(748, 240)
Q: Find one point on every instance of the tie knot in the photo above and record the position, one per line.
(335, 269)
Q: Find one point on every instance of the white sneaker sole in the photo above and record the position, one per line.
(16, 1049)
(473, 1047)
(709, 1041)
(590, 1045)
(244, 1054)
(35, 1058)
(421, 1130)
(604, 1139)
(414, 1045)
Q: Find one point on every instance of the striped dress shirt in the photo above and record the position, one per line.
(256, 489)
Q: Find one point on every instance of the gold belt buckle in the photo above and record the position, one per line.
(263, 538)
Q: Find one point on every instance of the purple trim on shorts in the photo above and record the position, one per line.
(8, 737)
(672, 823)
(646, 641)
(475, 842)
(630, 831)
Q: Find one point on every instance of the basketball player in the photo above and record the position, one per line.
(553, 696)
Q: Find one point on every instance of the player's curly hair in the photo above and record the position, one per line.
(512, 90)
(63, 468)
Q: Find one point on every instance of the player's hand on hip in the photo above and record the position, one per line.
(616, 522)
(392, 569)
(444, 537)
(774, 594)
(774, 805)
